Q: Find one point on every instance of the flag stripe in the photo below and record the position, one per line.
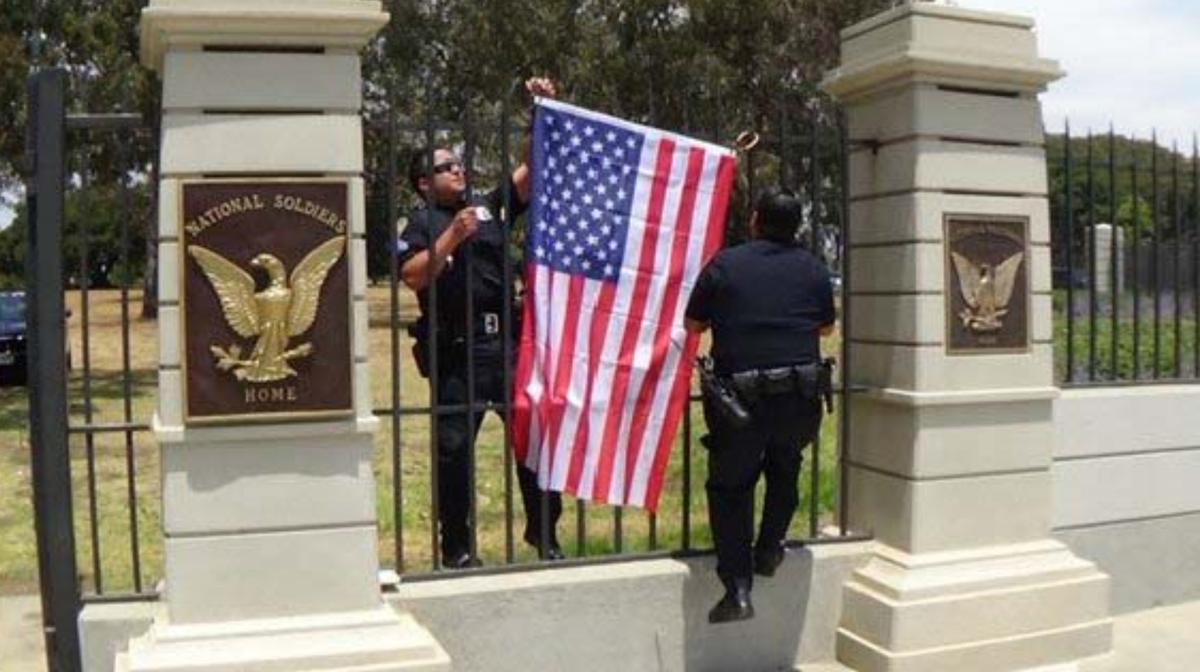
(661, 398)
(643, 347)
(522, 404)
(608, 363)
(541, 345)
(600, 318)
(660, 393)
(644, 270)
(570, 319)
(678, 241)
(677, 399)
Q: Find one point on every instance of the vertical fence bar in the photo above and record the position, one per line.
(781, 135)
(468, 255)
(580, 528)
(847, 249)
(126, 370)
(1069, 244)
(618, 532)
(1114, 256)
(814, 481)
(431, 290)
(1195, 257)
(1177, 246)
(686, 509)
(1090, 239)
(1155, 254)
(393, 322)
(508, 218)
(1135, 258)
(89, 438)
(50, 456)
(653, 524)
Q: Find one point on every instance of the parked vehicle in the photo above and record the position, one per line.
(13, 338)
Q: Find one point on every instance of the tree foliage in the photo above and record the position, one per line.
(709, 67)
(1165, 187)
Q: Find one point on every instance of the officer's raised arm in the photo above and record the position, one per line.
(522, 175)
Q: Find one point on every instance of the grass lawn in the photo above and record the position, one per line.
(1173, 345)
(111, 546)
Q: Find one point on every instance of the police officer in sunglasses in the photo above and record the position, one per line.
(455, 239)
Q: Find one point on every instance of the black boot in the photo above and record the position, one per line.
(768, 560)
(551, 552)
(735, 606)
(460, 560)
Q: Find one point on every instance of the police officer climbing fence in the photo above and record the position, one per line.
(768, 302)
(457, 246)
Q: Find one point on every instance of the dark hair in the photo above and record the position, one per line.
(418, 167)
(778, 214)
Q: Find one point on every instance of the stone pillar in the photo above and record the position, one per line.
(950, 334)
(265, 416)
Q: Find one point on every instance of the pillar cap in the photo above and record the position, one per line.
(938, 44)
(168, 24)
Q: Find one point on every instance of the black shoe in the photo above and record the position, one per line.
(462, 560)
(766, 562)
(552, 551)
(735, 606)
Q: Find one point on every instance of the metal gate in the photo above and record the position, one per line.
(49, 131)
(805, 149)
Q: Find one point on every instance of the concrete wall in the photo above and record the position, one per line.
(619, 617)
(1127, 488)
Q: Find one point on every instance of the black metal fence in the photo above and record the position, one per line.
(1126, 228)
(102, 474)
(805, 152)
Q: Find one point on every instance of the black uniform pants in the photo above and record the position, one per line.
(770, 445)
(455, 442)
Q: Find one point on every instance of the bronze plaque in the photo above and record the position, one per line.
(266, 300)
(987, 284)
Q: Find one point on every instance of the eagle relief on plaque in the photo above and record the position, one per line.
(987, 284)
(266, 300)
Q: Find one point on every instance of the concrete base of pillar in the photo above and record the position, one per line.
(1021, 606)
(363, 641)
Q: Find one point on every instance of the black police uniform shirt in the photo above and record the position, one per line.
(488, 250)
(766, 303)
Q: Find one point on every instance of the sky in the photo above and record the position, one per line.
(1131, 63)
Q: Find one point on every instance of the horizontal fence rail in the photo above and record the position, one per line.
(1126, 228)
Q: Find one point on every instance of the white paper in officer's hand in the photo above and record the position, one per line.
(482, 213)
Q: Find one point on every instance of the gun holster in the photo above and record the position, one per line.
(419, 331)
(720, 396)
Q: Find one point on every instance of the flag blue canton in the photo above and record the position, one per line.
(585, 172)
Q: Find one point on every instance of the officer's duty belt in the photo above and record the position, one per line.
(810, 380)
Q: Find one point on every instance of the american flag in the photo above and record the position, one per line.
(622, 219)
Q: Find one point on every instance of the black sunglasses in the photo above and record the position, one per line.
(447, 166)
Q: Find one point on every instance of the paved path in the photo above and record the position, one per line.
(21, 635)
(1166, 639)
